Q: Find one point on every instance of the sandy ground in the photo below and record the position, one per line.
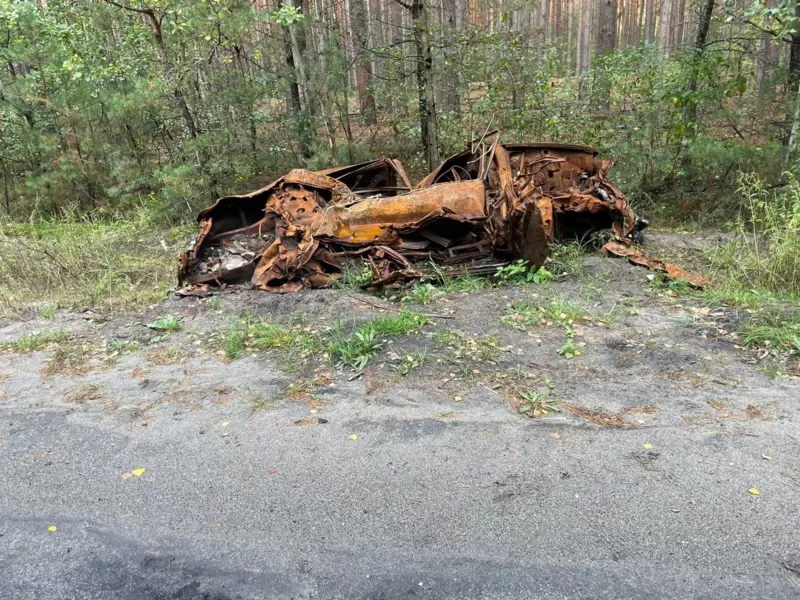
(272, 479)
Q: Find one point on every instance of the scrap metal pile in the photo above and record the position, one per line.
(480, 209)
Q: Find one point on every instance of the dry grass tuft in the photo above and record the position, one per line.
(595, 416)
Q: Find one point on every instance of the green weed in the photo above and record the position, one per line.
(565, 259)
(406, 363)
(47, 312)
(535, 404)
(168, 324)
(520, 272)
(422, 293)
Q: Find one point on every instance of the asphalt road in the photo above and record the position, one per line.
(481, 505)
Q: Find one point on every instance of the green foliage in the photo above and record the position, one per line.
(520, 272)
(355, 350)
(421, 293)
(570, 349)
(534, 404)
(406, 363)
(36, 341)
(168, 323)
(765, 254)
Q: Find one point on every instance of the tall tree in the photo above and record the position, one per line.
(363, 60)
(426, 94)
(607, 31)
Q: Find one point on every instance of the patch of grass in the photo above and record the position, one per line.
(214, 302)
(422, 293)
(233, 342)
(450, 283)
(355, 350)
(563, 311)
(65, 263)
(671, 286)
(166, 356)
(484, 349)
(36, 341)
(167, 324)
(358, 347)
(408, 362)
(296, 342)
(356, 275)
(47, 312)
(565, 259)
(67, 359)
(123, 347)
(260, 403)
(522, 314)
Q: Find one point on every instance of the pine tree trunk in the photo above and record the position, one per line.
(649, 22)
(363, 64)
(607, 30)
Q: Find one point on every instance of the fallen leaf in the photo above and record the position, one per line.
(272, 471)
(353, 437)
(765, 457)
(138, 472)
(51, 529)
(556, 436)
(754, 491)
(641, 421)
(457, 398)
(225, 424)
(127, 475)
(648, 446)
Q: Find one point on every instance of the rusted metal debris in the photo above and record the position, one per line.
(480, 209)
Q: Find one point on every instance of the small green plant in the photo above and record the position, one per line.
(355, 350)
(520, 272)
(405, 364)
(484, 349)
(422, 293)
(535, 404)
(214, 302)
(676, 286)
(570, 349)
(233, 342)
(522, 314)
(168, 324)
(36, 341)
(123, 346)
(355, 276)
(47, 312)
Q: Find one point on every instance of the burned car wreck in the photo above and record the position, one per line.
(480, 209)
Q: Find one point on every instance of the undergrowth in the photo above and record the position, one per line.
(66, 264)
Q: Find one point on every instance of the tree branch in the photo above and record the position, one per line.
(142, 11)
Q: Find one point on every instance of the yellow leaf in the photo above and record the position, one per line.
(457, 398)
(353, 437)
(138, 472)
(641, 421)
(754, 491)
(226, 423)
(51, 529)
(648, 446)
(765, 457)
